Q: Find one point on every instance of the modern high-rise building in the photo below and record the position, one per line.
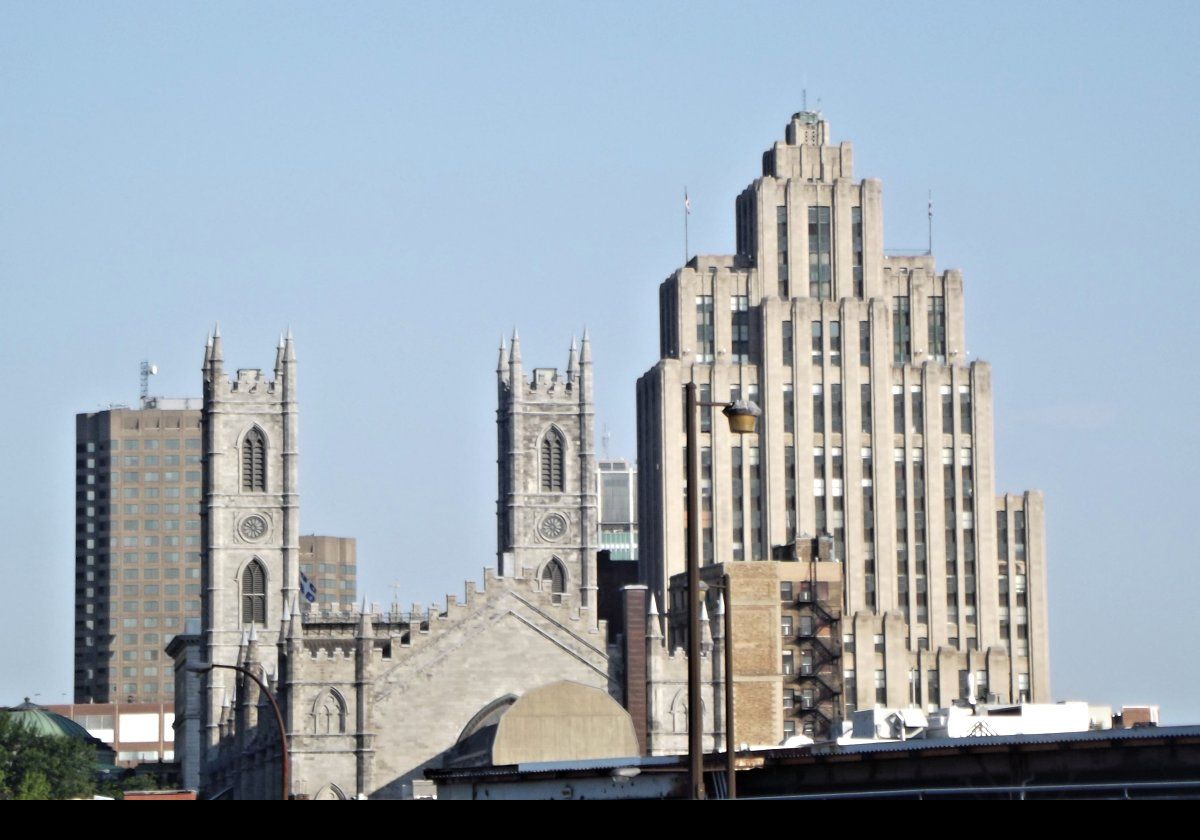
(330, 563)
(876, 433)
(137, 546)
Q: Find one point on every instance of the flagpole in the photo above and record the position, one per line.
(686, 213)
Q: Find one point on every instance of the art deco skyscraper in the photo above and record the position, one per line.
(876, 431)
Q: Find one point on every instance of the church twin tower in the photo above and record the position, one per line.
(546, 506)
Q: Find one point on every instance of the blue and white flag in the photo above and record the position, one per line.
(307, 588)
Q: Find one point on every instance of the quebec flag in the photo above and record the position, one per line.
(307, 588)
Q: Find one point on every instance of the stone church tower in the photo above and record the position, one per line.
(250, 511)
(546, 514)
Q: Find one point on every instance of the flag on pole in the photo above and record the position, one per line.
(307, 588)
(687, 205)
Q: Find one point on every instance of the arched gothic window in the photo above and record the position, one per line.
(553, 447)
(329, 714)
(254, 594)
(254, 462)
(554, 580)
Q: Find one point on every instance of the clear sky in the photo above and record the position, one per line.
(401, 184)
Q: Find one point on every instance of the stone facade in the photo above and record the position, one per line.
(250, 515)
(546, 514)
(370, 697)
(876, 431)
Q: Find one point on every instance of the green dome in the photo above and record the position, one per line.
(44, 723)
(39, 721)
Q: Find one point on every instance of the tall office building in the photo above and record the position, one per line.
(876, 431)
(330, 563)
(137, 546)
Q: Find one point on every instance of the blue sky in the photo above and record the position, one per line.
(400, 184)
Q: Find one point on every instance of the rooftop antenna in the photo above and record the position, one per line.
(147, 370)
(604, 439)
(804, 99)
(687, 211)
(930, 251)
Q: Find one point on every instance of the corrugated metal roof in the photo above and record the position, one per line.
(552, 768)
(1138, 733)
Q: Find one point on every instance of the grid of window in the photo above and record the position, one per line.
(788, 338)
(819, 263)
(864, 342)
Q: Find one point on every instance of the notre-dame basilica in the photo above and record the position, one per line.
(371, 698)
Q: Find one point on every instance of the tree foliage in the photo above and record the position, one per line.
(41, 767)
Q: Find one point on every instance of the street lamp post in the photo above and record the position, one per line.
(730, 747)
(285, 757)
(743, 416)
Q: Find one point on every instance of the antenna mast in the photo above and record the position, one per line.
(930, 251)
(146, 370)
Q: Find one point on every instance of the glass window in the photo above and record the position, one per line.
(740, 329)
(820, 273)
(937, 328)
(781, 240)
(704, 328)
(856, 232)
(901, 325)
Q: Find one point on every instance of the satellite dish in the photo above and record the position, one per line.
(153, 369)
